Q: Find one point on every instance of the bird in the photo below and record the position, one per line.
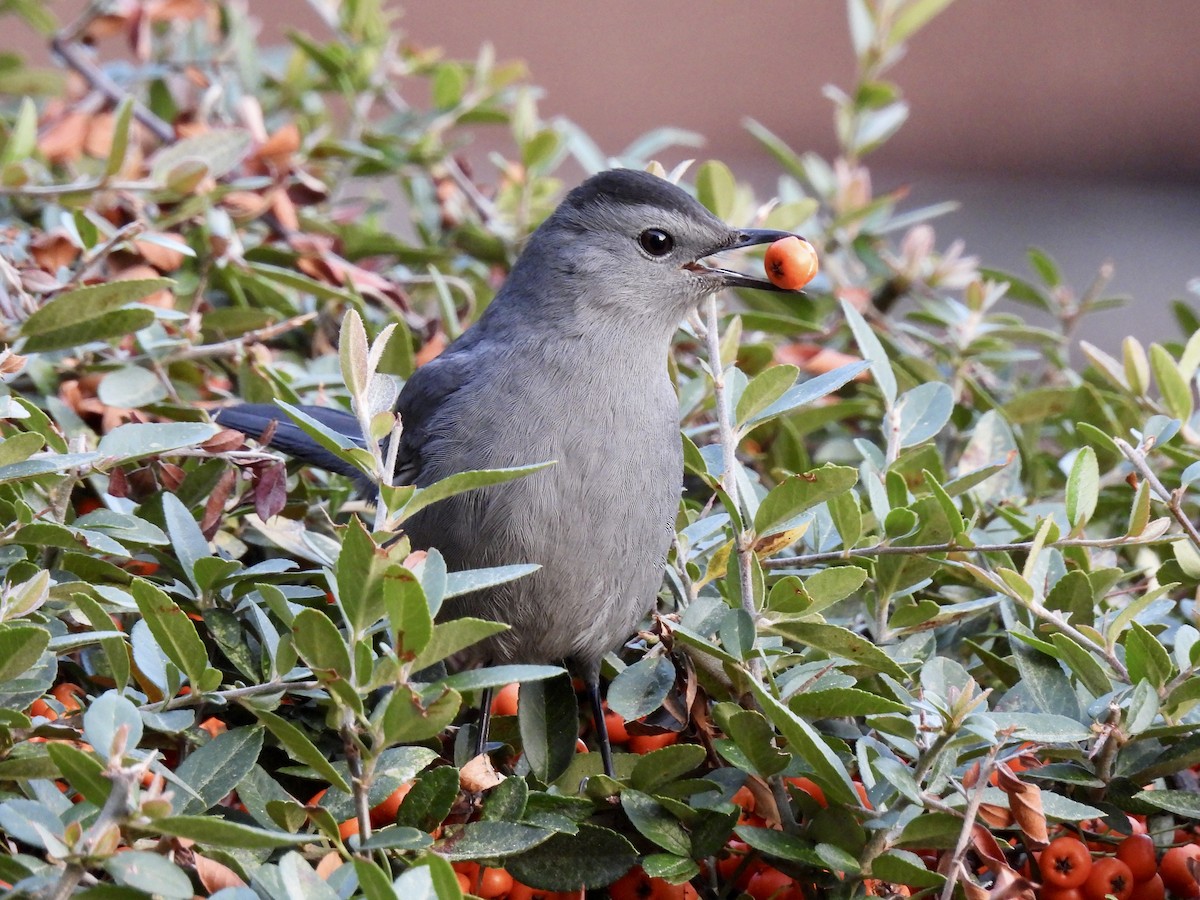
(568, 363)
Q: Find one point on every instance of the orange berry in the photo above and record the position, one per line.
(384, 813)
(744, 798)
(645, 743)
(525, 892)
(348, 828)
(1150, 889)
(213, 726)
(1178, 876)
(810, 787)
(464, 883)
(68, 695)
(1137, 852)
(791, 263)
(1109, 876)
(41, 708)
(494, 884)
(1065, 863)
(617, 733)
(504, 703)
(771, 884)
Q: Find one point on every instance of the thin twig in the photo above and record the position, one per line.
(234, 345)
(744, 539)
(1137, 457)
(885, 549)
(64, 45)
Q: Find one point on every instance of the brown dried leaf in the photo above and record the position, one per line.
(996, 816)
(53, 249)
(163, 299)
(432, 348)
(245, 204)
(62, 142)
(223, 441)
(815, 359)
(164, 259)
(1011, 885)
(479, 775)
(1025, 804)
(171, 476)
(98, 142)
(279, 147)
(216, 876)
(214, 506)
(270, 490)
(118, 485)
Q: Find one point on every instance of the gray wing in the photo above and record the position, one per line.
(424, 404)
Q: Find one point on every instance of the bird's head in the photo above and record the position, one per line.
(628, 242)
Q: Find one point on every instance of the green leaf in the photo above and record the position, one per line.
(798, 493)
(430, 800)
(213, 831)
(922, 412)
(837, 702)
(489, 840)
(83, 771)
(138, 439)
(1181, 803)
(216, 768)
(872, 350)
(641, 688)
(20, 648)
(339, 445)
(409, 717)
(74, 308)
(1083, 665)
(187, 540)
(1146, 657)
(408, 612)
(220, 149)
(454, 635)
(910, 19)
(321, 645)
(807, 392)
(150, 872)
(1176, 393)
(462, 482)
(834, 584)
(131, 386)
(459, 583)
(809, 744)
(1083, 488)
(654, 823)
(716, 188)
(754, 736)
(1046, 728)
(592, 858)
(498, 676)
(105, 716)
(361, 567)
(660, 767)
(764, 389)
(780, 845)
(902, 867)
(172, 629)
(300, 748)
(548, 716)
(839, 642)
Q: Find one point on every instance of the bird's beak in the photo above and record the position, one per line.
(747, 237)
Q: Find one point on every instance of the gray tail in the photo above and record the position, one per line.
(252, 420)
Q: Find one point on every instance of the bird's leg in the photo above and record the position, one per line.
(593, 689)
(483, 725)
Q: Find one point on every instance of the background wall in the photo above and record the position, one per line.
(1073, 125)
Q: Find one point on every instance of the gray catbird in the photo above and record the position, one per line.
(568, 363)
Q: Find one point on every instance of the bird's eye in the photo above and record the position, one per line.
(656, 242)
